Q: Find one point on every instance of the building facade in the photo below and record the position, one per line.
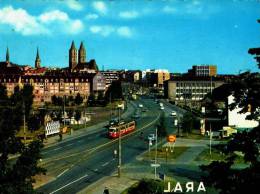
(190, 90)
(203, 70)
(110, 76)
(156, 78)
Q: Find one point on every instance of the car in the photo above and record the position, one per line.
(141, 106)
(162, 108)
(144, 110)
(151, 137)
(173, 113)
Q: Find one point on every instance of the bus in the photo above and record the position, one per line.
(124, 128)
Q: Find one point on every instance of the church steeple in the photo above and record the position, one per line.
(7, 55)
(73, 56)
(82, 53)
(37, 63)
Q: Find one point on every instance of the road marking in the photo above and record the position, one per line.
(105, 164)
(80, 141)
(68, 184)
(96, 170)
(69, 144)
(63, 172)
(57, 149)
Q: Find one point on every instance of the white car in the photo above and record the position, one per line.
(173, 113)
(162, 108)
(141, 106)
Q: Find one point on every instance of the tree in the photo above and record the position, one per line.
(54, 99)
(78, 99)
(115, 91)
(34, 122)
(77, 115)
(91, 99)
(161, 128)
(188, 121)
(16, 176)
(147, 186)
(223, 175)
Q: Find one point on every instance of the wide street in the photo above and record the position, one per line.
(77, 163)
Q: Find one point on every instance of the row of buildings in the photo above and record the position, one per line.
(84, 77)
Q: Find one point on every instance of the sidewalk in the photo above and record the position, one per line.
(88, 130)
(132, 173)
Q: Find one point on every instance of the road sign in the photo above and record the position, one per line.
(155, 165)
(171, 138)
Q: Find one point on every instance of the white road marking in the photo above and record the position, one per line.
(68, 184)
(69, 144)
(63, 172)
(57, 148)
(80, 141)
(105, 164)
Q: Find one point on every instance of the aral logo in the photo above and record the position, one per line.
(188, 187)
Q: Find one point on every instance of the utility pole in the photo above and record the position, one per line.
(110, 106)
(64, 98)
(24, 132)
(210, 137)
(155, 158)
(119, 145)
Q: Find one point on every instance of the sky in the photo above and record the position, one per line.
(133, 34)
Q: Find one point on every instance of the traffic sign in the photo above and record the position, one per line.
(155, 165)
(171, 138)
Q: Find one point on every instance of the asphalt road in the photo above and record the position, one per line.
(78, 163)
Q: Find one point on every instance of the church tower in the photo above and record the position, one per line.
(7, 58)
(72, 56)
(82, 53)
(37, 63)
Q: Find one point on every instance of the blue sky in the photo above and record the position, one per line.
(133, 34)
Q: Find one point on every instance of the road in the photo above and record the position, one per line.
(78, 163)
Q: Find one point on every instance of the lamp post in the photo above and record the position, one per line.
(119, 142)
(155, 157)
(24, 132)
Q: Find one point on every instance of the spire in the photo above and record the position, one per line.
(7, 55)
(81, 46)
(37, 63)
(73, 45)
(37, 55)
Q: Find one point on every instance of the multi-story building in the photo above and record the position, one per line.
(156, 78)
(203, 70)
(61, 82)
(110, 76)
(190, 90)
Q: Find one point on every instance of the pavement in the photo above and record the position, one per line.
(133, 172)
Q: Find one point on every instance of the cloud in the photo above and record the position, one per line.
(75, 27)
(21, 21)
(128, 14)
(169, 9)
(50, 22)
(100, 7)
(91, 16)
(124, 31)
(55, 15)
(74, 5)
(62, 21)
(106, 30)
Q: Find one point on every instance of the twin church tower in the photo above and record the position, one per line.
(77, 58)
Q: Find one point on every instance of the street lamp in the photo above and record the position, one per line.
(119, 141)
